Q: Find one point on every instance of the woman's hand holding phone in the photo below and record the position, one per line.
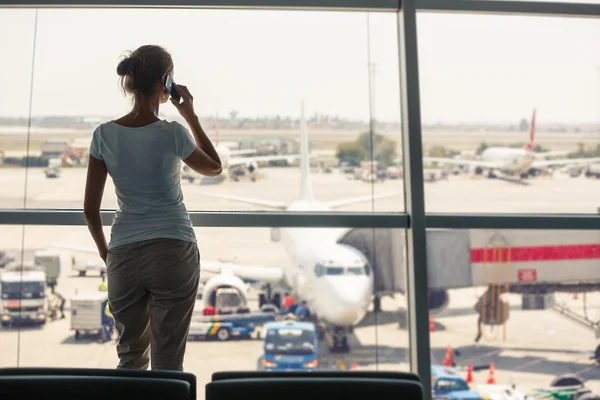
(186, 107)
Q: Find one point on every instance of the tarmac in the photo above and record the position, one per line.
(534, 347)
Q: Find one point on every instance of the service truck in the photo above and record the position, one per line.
(87, 310)
(593, 171)
(226, 326)
(229, 318)
(53, 170)
(24, 296)
(5, 258)
(564, 387)
(82, 267)
(290, 346)
(447, 384)
(50, 261)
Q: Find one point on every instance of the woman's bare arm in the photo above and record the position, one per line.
(204, 159)
(94, 190)
(202, 140)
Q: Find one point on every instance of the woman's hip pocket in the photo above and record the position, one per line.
(173, 264)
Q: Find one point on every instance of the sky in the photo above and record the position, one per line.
(473, 68)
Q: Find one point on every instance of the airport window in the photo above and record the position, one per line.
(514, 109)
(257, 127)
(529, 308)
(506, 110)
(247, 253)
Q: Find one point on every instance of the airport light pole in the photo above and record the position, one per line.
(372, 70)
(598, 70)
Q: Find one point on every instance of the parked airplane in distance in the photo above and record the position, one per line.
(521, 162)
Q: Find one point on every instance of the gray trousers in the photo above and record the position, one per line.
(152, 287)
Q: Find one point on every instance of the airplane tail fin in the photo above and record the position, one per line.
(529, 146)
(306, 192)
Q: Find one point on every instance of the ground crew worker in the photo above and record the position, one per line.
(103, 286)
(287, 302)
(108, 322)
(61, 306)
(491, 309)
(251, 169)
(301, 311)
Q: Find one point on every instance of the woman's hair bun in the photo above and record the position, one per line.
(124, 66)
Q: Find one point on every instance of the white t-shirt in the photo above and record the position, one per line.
(145, 165)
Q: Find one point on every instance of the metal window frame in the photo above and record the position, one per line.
(311, 5)
(415, 220)
(414, 192)
(258, 219)
(223, 219)
(512, 7)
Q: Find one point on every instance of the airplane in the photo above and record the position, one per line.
(235, 162)
(336, 280)
(512, 161)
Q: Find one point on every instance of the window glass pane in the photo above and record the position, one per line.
(17, 44)
(248, 82)
(567, 1)
(377, 340)
(9, 253)
(513, 307)
(510, 114)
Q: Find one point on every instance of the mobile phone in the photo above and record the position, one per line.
(171, 89)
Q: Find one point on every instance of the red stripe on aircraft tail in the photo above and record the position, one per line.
(538, 253)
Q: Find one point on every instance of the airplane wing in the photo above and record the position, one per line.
(241, 152)
(233, 161)
(353, 200)
(82, 249)
(244, 272)
(564, 162)
(546, 154)
(249, 200)
(471, 163)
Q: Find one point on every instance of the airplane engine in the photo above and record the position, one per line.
(438, 301)
(223, 282)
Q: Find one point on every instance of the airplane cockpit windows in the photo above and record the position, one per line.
(319, 270)
(322, 270)
(356, 271)
(367, 269)
(334, 270)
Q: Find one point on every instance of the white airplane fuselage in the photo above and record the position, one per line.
(512, 159)
(334, 279)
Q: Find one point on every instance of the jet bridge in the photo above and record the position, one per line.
(447, 255)
(535, 261)
(384, 248)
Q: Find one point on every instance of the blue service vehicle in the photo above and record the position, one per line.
(226, 326)
(448, 384)
(290, 346)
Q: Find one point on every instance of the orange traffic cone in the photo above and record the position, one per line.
(575, 296)
(491, 379)
(469, 377)
(354, 366)
(449, 360)
(431, 324)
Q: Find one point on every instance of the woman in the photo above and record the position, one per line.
(152, 259)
